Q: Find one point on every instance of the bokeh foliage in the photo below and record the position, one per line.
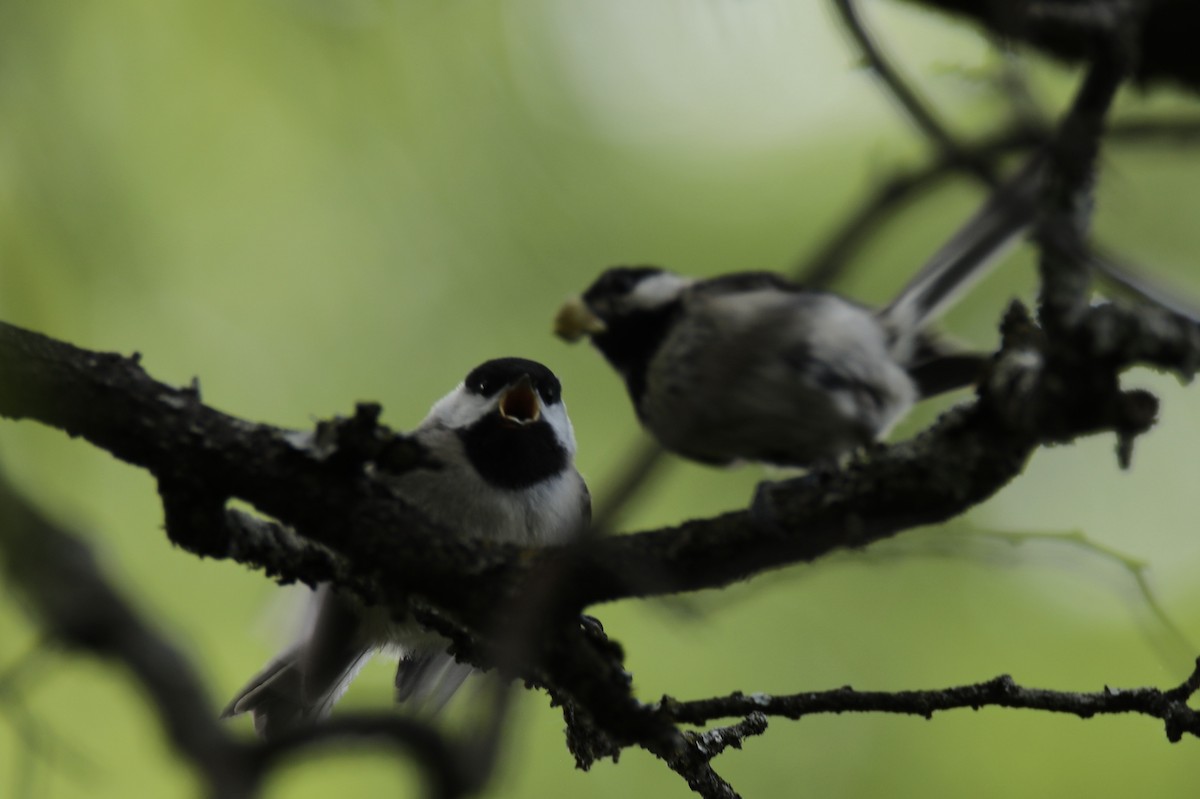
(306, 203)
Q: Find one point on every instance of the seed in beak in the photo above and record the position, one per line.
(520, 403)
(575, 320)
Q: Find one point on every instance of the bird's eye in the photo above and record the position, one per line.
(481, 385)
(550, 392)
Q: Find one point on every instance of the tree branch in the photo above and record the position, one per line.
(918, 110)
(1067, 196)
(967, 456)
(1169, 706)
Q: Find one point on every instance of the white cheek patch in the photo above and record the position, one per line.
(556, 416)
(459, 408)
(658, 290)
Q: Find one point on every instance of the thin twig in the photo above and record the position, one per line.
(830, 258)
(956, 541)
(1135, 567)
(1169, 706)
(644, 459)
(918, 111)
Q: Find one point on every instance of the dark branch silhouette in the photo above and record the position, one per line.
(1076, 30)
(1169, 706)
(79, 607)
(62, 581)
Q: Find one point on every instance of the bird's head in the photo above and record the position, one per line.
(512, 421)
(621, 295)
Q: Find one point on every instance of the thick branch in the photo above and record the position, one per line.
(1068, 196)
(966, 457)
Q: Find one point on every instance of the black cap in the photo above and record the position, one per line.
(492, 376)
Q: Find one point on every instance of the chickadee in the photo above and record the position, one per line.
(501, 449)
(748, 366)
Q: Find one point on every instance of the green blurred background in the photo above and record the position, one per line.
(306, 203)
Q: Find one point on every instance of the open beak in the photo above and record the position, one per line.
(575, 320)
(519, 402)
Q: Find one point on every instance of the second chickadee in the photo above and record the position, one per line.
(502, 452)
(748, 366)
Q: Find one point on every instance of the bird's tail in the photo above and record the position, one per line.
(965, 258)
(427, 680)
(302, 684)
